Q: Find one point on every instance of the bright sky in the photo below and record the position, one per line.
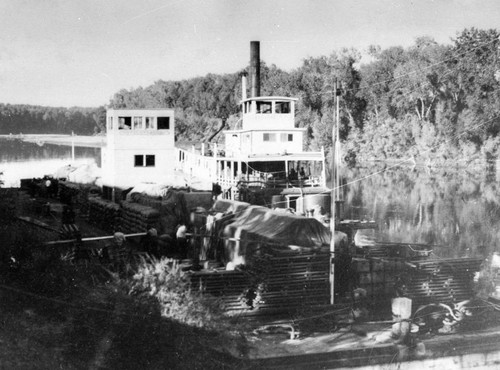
(80, 52)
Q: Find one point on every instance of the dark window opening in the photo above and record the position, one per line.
(282, 107)
(147, 160)
(163, 123)
(124, 123)
(138, 160)
(290, 137)
(150, 160)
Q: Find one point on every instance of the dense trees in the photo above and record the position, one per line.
(31, 119)
(428, 102)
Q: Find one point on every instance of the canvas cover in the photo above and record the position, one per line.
(228, 206)
(258, 228)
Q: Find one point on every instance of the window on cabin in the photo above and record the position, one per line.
(141, 160)
(269, 137)
(264, 107)
(124, 123)
(282, 107)
(286, 137)
(163, 123)
(110, 123)
(150, 123)
(138, 160)
(137, 123)
(150, 160)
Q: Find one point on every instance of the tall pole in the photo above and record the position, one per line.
(333, 204)
(72, 148)
(338, 199)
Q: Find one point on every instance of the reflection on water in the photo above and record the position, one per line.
(19, 159)
(457, 211)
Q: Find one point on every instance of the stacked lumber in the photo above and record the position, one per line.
(103, 214)
(396, 250)
(377, 276)
(136, 218)
(291, 280)
(229, 287)
(278, 282)
(445, 280)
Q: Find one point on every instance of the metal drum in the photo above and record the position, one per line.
(314, 201)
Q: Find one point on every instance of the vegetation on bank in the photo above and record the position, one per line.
(429, 102)
(62, 313)
(32, 119)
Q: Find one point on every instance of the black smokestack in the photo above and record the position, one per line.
(255, 68)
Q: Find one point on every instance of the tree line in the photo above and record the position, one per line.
(32, 119)
(428, 102)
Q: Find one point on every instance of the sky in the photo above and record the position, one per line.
(80, 52)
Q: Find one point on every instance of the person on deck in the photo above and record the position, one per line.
(302, 173)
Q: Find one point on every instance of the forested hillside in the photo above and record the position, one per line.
(428, 102)
(30, 119)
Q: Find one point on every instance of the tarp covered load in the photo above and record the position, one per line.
(150, 189)
(85, 174)
(228, 206)
(257, 228)
(221, 214)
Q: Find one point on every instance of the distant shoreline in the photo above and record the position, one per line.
(55, 139)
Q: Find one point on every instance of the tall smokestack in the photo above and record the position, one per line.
(255, 68)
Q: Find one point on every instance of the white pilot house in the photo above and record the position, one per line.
(139, 147)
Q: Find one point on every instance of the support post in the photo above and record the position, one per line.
(335, 180)
(286, 172)
(72, 147)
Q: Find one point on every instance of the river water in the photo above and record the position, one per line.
(457, 211)
(20, 159)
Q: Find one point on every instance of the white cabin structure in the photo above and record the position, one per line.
(139, 147)
(264, 149)
(268, 126)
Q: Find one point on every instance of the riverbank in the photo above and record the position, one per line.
(56, 139)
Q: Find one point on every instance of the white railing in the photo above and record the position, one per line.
(196, 165)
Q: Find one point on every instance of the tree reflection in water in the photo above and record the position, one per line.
(457, 210)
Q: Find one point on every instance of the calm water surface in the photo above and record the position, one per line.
(20, 160)
(456, 210)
